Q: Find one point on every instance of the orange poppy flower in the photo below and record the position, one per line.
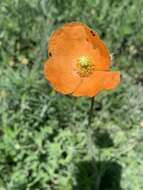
(79, 62)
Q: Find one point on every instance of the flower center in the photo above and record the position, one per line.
(84, 61)
(85, 66)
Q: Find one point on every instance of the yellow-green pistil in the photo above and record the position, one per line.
(84, 61)
(85, 66)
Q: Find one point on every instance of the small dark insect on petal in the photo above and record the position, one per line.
(50, 54)
(93, 34)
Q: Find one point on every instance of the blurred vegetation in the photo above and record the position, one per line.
(42, 133)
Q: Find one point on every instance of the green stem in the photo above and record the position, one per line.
(91, 147)
(90, 114)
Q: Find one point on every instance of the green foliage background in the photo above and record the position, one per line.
(42, 133)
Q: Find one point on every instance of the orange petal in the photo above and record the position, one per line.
(63, 78)
(94, 38)
(99, 80)
(112, 80)
(64, 40)
(76, 50)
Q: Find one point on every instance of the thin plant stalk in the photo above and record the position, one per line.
(91, 147)
(90, 114)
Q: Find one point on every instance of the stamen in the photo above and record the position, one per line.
(84, 61)
(85, 66)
